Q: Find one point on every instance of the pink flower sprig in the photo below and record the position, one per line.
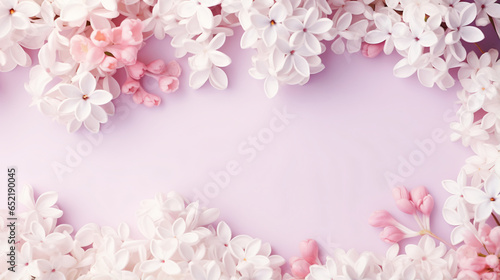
(309, 256)
(478, 258)
(165, 74)
(108, 49)
(418, 203)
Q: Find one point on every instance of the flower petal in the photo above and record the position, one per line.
(483, 211)
(471, 34)
(19, 21)
(219, 59)
(87, 83)
(28, 8)
(218, 78)
(205, 17)
(68, 105)
(468, 14)
(100, 97)
(293, 24)
(492, 185)
(150, 266)
(259, 21)
(70, 91)
(271, 86)
(301, 65)
(269, 35)
(321, 26)
(278, 12)
(171, 267)
(5, 25)
(474, 196)
(376, 36)
(99, 114)
(82, 110)
(217, 41)
(198, 78)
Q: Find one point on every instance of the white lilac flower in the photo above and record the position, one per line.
(206, 55)
(324, 272)
(459, 29)
(263, 71)
(198, 13)
(467, 130)
(479, 166)
(162, 252)
(247, 252)
(272, 25)
(345, 29)
(292, 59)
(383, 33)
(350, 7)
(475, 63)
(14, 15)
(211, 271)
(486, 8)
(413, 38)
(306, 32)
(415, 11)
(486, 201)
(162, 17)
(43, 207)
(456, 189)
(460, 219)
(178, 232)
(85, 100)
(426, 253)
(55, 268)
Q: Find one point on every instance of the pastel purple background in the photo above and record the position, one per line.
(320, 177)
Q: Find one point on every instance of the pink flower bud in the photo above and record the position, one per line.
(101, 38)
(492, 261)
(468, 275)
(128, 56)
(137, 70)
(156, 67)
(417, 194)
(299, 267)
(403, 202)
(392, 234)
(173, 69)
(427, 205)
(139, 95)
(381, 218)
(82, 50)
(109, 64)
(168, 84)
(469, 260)
(495, 237)
(309, 250)
(400, 193)
(471, 240)
(151, 100)
(406, 206)
(371, 50)
(129, 33)
(130, 86)
(490, 276)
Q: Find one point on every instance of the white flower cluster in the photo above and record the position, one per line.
(422, 261)
(475, 195)
(80, 49)
(78, 37)
(480, 99)
(180, 243)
